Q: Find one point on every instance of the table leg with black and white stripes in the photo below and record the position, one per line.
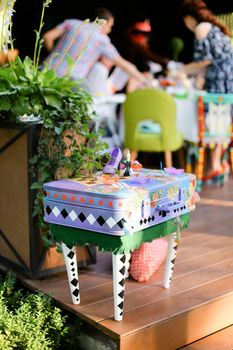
(170, 259)
(120, 267)
(70, 258)
(119, 273)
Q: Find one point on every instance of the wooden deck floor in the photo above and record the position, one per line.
(198, 303)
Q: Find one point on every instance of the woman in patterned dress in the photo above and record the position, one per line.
(213, 60)
(213, 51)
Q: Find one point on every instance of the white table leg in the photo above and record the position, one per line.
(127, 265)
(170, 260)
(118, 271)
(72, 271)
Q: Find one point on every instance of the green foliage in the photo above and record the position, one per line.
(30, 321)
(26, 90)
(67, 146)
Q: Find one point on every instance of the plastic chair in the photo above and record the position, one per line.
(215, 127)
(159, 107)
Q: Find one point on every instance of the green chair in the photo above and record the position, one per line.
(159, 107)
(227, 20)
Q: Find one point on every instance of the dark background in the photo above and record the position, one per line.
(164, 16)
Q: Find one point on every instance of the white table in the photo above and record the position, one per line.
(186, 111)
(187, 118)
(109, 99)
(105, 108)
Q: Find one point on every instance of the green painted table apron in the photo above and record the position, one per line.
(120, 247)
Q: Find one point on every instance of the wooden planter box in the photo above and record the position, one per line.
(21, 247)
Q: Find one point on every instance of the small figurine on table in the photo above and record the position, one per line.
(128, 169)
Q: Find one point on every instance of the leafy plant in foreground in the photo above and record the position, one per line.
(67, 145)
(29, 321)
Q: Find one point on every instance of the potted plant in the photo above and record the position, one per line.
(30, 94)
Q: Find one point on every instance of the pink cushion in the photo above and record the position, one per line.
(146, 259)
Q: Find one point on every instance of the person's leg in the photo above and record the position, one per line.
(216, 164)
(216, 158)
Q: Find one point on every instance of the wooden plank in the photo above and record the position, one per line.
(210, 225)
(179, 330)
(148, 294)
(190, 236)
(221, 340)
(208, 220)
(217, 202)
(158, 312)
(225, 192)
(60, 281)
(196, 263)
(212, 243)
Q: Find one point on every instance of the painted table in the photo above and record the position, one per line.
(118, 217)
(120, 247)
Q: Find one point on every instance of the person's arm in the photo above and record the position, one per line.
(204, 57)
(149, 55)
(50, 37)
(195, 67)
(130, 69)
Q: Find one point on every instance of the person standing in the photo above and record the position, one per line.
(213, 59)
(213, 52)
(85, 42)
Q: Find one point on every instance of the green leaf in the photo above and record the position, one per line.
(22, 78)
(5, 103)
(28, 67)
(47, 75)
(21, 107)
(53, 100)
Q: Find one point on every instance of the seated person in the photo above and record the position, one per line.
(99, 82)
